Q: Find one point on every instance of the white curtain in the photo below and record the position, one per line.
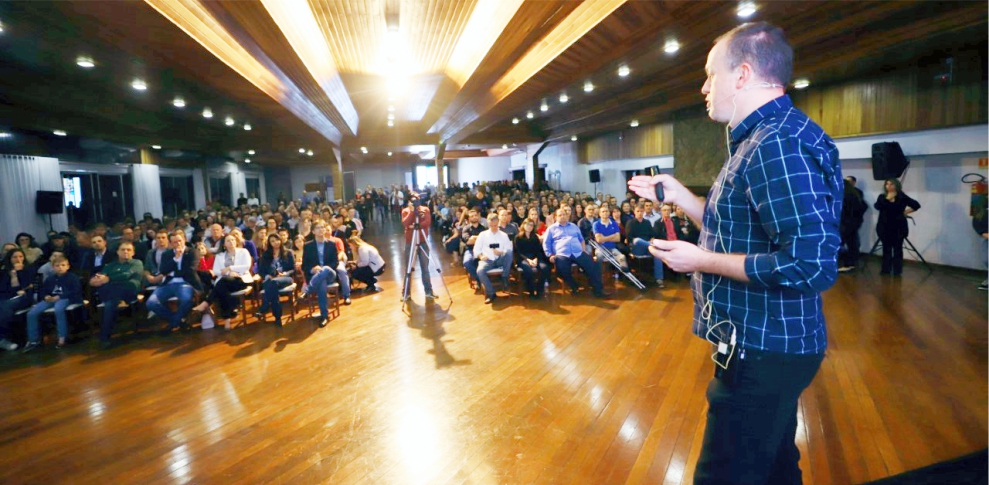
(198, 189)
(147, 190)
(238, 185)
(21, 177)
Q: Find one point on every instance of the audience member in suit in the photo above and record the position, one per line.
(16, 290)
(565, 247)
(531, 259)
(639, 232)
(57, 292)
(178, 265)
(231, 274)
(152, 261)
(319, 266)
(119, 281)
(276, 268)
(97, 257)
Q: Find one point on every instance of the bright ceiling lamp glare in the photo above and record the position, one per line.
(504, 147)
(309, 153)
(247, 160)
(515, 121)
(85, 62)
(544, 107)
(588, 86)
(229, 121)
(391, 108)
(59, 133)
(364, 150)
(801, 83)
(624, 71)
(247, 127)
(139, 85)
(391, 116)
(4, 134)
(178, 102)
(391, 123)
(573, 138)
(389, 154)
(671, 46)
(564, 98)
(302, 150)
(634, 123)
(207, 113)
(156, 147)
(745, 9)
(530, 115)
(1, 27)
(250, 152)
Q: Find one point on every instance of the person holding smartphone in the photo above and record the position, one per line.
(493, 249)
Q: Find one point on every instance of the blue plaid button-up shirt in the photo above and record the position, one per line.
(778, 201)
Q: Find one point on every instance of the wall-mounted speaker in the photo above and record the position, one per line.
(888, 161)
(49, 202)
(595, 176)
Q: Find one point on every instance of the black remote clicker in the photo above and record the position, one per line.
(659, 193)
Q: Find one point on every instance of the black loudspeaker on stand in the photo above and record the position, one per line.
(888, 161)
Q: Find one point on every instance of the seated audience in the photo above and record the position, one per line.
(468, 235)
(565, 247)
(276, 269)
(231, 273)
(97, 257)
(319, 266)
(27, 244)
(16, 291)
(531, 258)
(493, 250)
(118, 281)
(58, 292)
(178, 266)
(608, 234)
(640, 232)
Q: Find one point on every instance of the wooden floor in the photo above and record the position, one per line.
(564, 390)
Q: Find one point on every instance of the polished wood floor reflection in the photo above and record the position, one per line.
(564, 390)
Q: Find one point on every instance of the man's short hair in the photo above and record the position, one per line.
(125, 243)
(492, 216)
(764, 47)
(177, 233)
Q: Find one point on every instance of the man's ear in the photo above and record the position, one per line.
(745, 75)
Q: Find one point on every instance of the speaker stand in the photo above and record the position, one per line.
(51, 227)
(908, 246)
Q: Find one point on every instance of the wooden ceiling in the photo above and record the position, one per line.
(321, 74)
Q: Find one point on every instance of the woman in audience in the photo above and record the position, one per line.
(231, 273)
(369, 263)
(276, 269)
(205, 267)
(531, 259)
(548, 221)
(305, 229)
(16, 291)
(894, 206)
(260, 240)
(7, 248)
(31, 250)
(352, 215)
(300, 244)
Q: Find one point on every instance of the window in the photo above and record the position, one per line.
(219, 189)
(254, 188)
(426, 176)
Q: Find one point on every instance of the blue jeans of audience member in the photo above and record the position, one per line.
(344, 280)
(271, 288)
(7, 310)
(470, 263)
(504, 263)
(752, 419)
(564, 268)
(111, 295)
(158, 302)
(318, 285)
(529, 271)
(640, 247)
(61, 320)
(423, 257)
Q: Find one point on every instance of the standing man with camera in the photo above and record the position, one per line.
(416, 216)
(767, 249)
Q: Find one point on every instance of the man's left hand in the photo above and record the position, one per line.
(680, 256)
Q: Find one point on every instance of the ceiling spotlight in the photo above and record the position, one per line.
(364, 149)
(309, 153)
(250, 152)
(391, 108)
(515, 121)
(4, 134)
(138, 85)
(623, 71)
(573, 138)
(156, 147)
(391, 116)
(529, 115)
(564, 98)
(302, 150)
(801, 83)
(178, 102)
(207, 113)
(229, 121)
(588, 86)
(745, 9)
(86, 62)
(247, 160)
(1, 27)
(391, 123)
(634, 123)
(389, 154)
(504, 147)
(671, 46)
(59, 133)
(247, 127)
(544, 107)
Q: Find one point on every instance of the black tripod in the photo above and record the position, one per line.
(878, 246)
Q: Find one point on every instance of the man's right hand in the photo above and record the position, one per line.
(552, 259)
(645, 186)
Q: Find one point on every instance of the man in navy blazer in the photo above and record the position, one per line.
(319, 265)
(178, 265)
(94, 260)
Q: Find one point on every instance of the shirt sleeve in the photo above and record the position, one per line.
(798, 210)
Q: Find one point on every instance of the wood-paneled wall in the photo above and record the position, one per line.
(644, 141)
(698, 149)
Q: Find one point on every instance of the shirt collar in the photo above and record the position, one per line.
(742, 130)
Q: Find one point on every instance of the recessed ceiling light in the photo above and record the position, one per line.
(391, 123)
(623, 71)
(364, 149)
(309, 153)
(564, 98)
(59, 133)
(4, 134)
(247, 160)
(85, 61)
(389, 154)
(801, 83)
(250, 152)
(634, 123)
(745, 9)
(139, 85)
(504, 147)
(178, 102)
(302, 150)
(515, 121)
(1, 27)
(391, 108)
(207, 113)
(391, 116)
(529, 115)
(573, 138)
(156, 147)
(229, 121)
(544, 107)
(247, 127)
(671, 46)
(588, 86)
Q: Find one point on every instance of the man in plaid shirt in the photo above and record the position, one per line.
(768, 247)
